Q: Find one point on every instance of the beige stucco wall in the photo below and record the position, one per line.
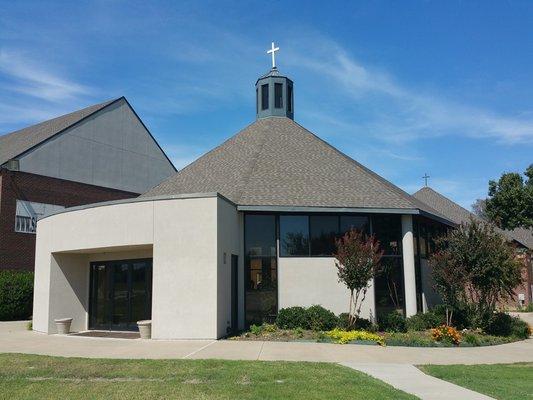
(190, 281)
(308, 281)
(228, 244)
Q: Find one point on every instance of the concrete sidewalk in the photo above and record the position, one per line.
(14, 338)
(411, 380)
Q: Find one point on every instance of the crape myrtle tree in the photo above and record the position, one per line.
(473, 269)
(357, 259)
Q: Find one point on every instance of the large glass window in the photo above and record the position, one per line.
(357, 222)
(324, 230)
(388, 231)
(388, 286)
(264, 97)
(294, 235)
(278, 95)
(260, 268)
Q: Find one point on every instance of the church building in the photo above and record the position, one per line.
(99, 153)
(245, 230)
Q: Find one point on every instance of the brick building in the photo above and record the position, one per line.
(100, 153)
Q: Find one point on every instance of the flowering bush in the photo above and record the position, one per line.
(341, 336)
(445, 333)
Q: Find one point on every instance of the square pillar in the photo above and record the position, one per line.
(409, 276)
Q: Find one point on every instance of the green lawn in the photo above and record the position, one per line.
(42, 377)
(501, 381)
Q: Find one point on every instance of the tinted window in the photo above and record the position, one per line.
(324, 230)
(264, 97)
(422, 241)
(357, 222)
(260, 235)
(388, 286)
(278, 95)
(260, 268)
(289, 98)
(294, 235)
(388, 231)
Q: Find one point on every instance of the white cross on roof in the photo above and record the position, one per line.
(273, 52)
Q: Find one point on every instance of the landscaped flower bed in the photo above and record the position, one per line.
(316, 324)
(410, 339)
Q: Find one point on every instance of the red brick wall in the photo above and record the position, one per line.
(17, 250)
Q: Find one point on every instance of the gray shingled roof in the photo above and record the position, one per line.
(460, 215)
(15, 143)
(277, 162)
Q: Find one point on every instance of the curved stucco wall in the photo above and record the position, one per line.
(181, 234)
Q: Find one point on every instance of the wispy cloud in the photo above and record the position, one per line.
(24, 76)
(407, 113)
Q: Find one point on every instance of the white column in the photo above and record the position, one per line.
(408, 265)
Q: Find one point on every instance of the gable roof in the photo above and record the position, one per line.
(18, 142)
(460, 215)
(276, 162)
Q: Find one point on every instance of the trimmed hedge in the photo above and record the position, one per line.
(316, 318)
(321, 319)
(16, 295)
(503, 324)
(392, 322)
(423, 321)
(292, 318)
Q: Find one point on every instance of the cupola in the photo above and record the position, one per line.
(274, 93)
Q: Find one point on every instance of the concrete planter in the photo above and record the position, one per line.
(145, 329)
(63, 325)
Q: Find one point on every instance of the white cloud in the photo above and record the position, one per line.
(24, 76)
(402, 114)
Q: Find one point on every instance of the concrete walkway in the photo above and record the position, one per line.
(411, 380)
(14, 338)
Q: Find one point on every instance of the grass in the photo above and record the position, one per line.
(501, 381)
(43, 377)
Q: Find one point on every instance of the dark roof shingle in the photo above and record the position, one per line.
(460, 215)
(277, 162)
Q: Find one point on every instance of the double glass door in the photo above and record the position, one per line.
(120, 294)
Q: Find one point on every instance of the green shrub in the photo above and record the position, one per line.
(320, 319)
(342, 321)
(292, 318)
(503, 324)
(461, 317)
(392, 322)
(256, 329)
(361, 324)
(423, 321)
(16, 295)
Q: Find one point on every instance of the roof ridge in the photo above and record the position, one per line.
(254, 164)
(446, 198)
(193, 163)
(390, 185)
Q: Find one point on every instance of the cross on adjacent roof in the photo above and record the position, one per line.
(273, 51)
(425, 177)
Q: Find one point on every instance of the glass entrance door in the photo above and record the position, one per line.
(120, 294)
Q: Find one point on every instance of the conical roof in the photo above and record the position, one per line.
(277, 162)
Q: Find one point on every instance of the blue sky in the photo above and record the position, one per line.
(403, 87)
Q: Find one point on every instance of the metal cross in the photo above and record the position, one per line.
(273, 51)
(425, 177)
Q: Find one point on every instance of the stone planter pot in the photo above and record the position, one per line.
(63, 325)
(145, 329)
